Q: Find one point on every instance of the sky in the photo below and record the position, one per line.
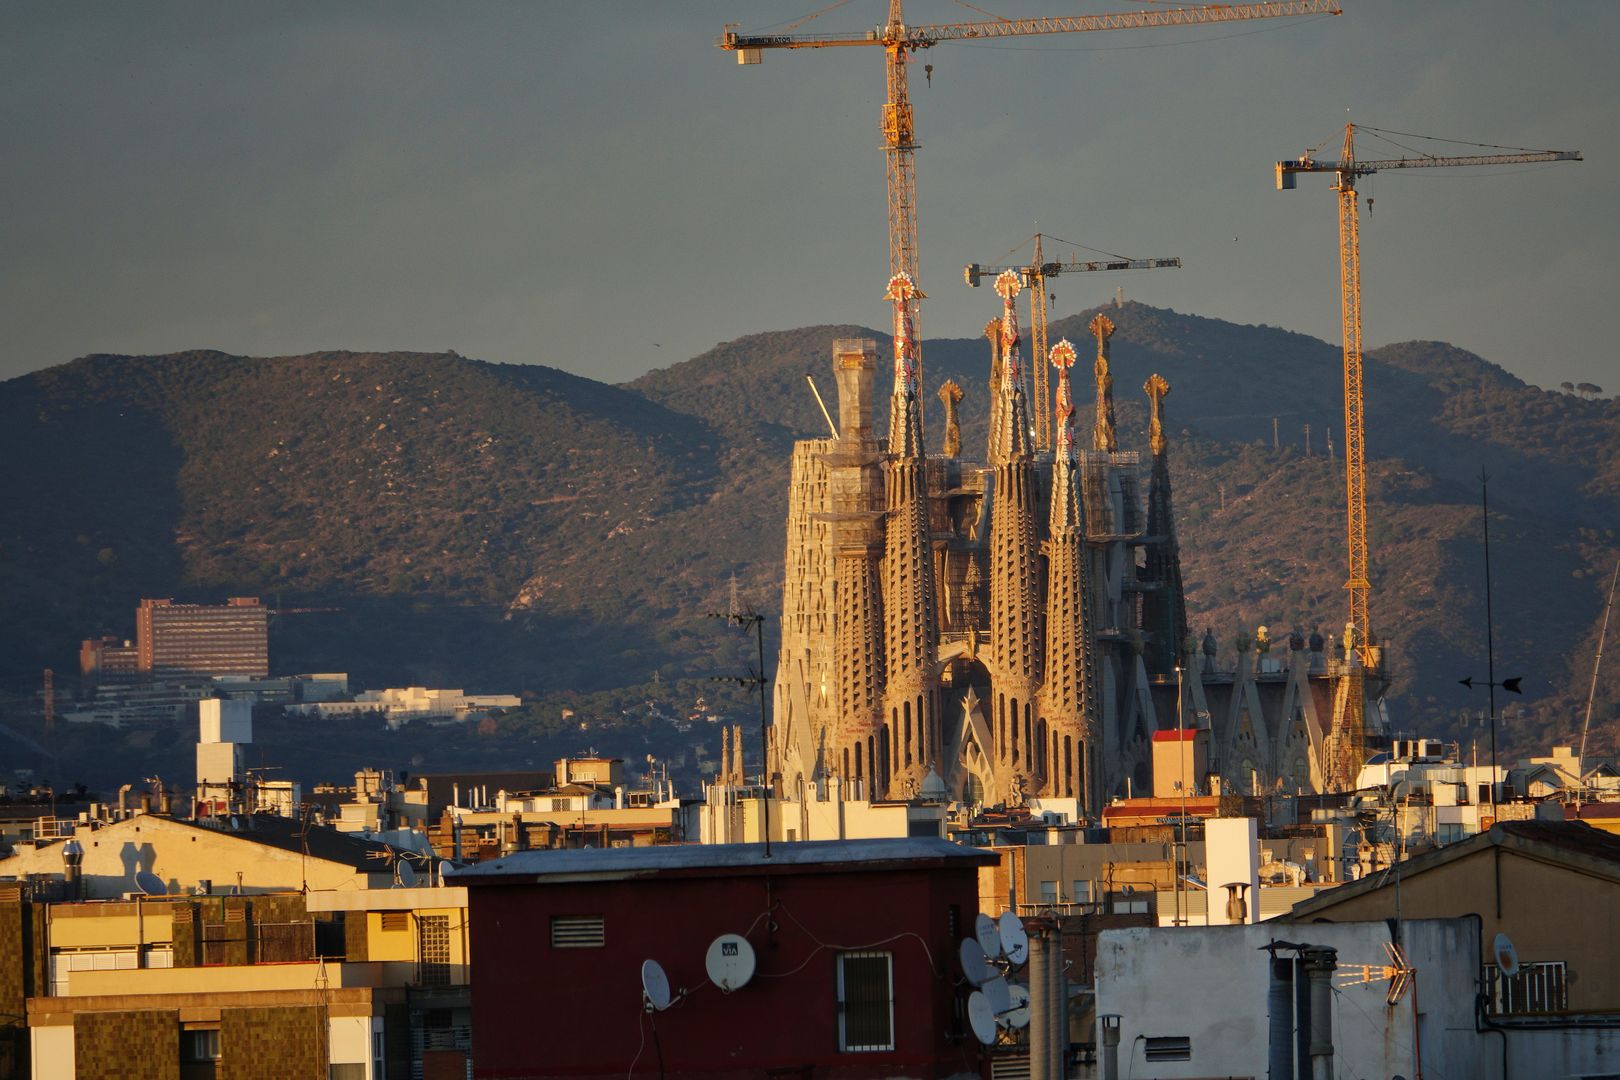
(598, 188)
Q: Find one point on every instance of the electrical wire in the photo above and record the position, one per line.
(641, 1029)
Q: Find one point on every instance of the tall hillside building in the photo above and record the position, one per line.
(203, 639)
(1017, 627)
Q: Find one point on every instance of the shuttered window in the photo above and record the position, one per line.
(865, 1001)
(577, 932)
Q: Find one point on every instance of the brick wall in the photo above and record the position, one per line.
(119, 1045)
(282, 1043)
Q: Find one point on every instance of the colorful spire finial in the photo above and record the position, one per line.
(903, 292)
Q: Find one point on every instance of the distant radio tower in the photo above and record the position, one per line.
(50, 699)
(1119, 296)
(1276, 442)
(1330, 443)
(1307, 440)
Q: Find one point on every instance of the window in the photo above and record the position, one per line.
(379, 1055)
(1080, 892)
(577, 932)
(1130, 903)
(1049, 893)
(865, 1001)
(199, 1045)
(1168, 1048)
(433, 949)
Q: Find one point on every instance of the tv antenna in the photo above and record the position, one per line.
(1401, 974)
(746, 617)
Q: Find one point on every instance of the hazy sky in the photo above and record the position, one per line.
(596, 187)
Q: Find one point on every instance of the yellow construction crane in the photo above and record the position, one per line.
(899, 41)
(1345, 750)
(1033, 278)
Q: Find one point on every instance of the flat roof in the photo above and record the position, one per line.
(697, 860)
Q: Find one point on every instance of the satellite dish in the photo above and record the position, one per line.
(984, 929)
(1018, 1015)
(1507, 957)
(149, 883)
(981, 1018)
(974, 966)
(655, 984)
(1014, 942)
(234, 823)
(998, 995)
(405, 874)
(445, 867)
(729, 962)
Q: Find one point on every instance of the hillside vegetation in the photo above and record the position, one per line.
(513, 527)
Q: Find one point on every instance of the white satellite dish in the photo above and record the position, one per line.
(445, 866)
(984, 929)
(655, 984)
(149, 883)
(1018, 1015)
(974, 966)
(981, 1018)
(729, 962)
(234, 823)
(405, 874)
(1014, 941)
(1507, 957)
(1000, 997)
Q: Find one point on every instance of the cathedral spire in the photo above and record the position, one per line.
(1102, 435)
(1065, 493)
(903, 753)
(1068, 701)
(1010, 437)
(905, 408)
(1164, 610)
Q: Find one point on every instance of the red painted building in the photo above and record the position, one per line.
(855, 945)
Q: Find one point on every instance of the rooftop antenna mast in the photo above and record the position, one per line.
(746, 618)
(1591, 691)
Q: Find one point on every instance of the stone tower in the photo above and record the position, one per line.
(1015, 571)
(1164, 610)
(910, 619)
(1068, 700)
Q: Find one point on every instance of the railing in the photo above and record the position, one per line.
(1541, 987)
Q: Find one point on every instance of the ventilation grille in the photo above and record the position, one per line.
(577, 932)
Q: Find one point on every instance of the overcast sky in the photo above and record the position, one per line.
(596, 187)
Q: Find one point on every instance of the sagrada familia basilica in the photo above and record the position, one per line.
(1014, 629)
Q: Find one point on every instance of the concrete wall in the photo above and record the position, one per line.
(1210, 983)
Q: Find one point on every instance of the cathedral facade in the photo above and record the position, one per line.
(1013, 627)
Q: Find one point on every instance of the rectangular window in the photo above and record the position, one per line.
(865, 1001)
(1168, 1048)
(577, 932)
(199, 1045)
(1081, 892)
(434, 950)
(1049, 893)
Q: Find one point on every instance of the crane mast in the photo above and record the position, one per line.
(1344, 751)
(899, 41)
(1033, 277)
